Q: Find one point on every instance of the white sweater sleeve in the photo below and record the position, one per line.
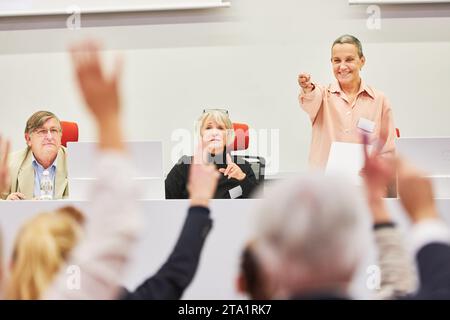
(111, 230)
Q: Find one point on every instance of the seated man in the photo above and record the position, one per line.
(43, 152)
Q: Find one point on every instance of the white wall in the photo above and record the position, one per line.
(245, 58)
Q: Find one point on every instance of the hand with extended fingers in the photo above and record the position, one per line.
(203, 179)
(232, 170)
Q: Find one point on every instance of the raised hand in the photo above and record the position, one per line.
(378, 172)
(100, 92)
(232, 170)
(203, 179)
(304, 81)
(416, 192)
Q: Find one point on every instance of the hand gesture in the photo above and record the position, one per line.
(304, 81)
(416, 193)
(203, 179)
(17, 196)
(378, 171)
(100, 91)
(232, 170)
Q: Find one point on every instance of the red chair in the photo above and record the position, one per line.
(241, 142)
(69, 132)
(241, 138)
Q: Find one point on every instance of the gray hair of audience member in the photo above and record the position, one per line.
(219, 116)
(313, 232)
(38, 119)
(347, 38)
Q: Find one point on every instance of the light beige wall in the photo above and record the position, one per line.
(245, 58)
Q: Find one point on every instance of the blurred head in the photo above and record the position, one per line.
(251, 276)
(43, 135)
(215, 130)
(312, 235)
(42, 246)
(347, 59)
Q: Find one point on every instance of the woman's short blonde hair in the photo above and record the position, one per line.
(40, 250)
(218, 116)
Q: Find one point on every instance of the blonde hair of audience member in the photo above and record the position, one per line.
(215, 130)
(41, 248)
(311, 236)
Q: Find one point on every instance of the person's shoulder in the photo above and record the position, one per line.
(184, 160)
(374, 92)
(180, 168)
(62, 151)
(17, 159)
(182, 164)
(19, 155)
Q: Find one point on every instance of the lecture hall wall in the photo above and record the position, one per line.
(244, 58)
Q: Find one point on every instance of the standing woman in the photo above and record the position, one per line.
(215, 132)
(343, 110)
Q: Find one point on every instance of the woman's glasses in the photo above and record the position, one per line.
(225, 111)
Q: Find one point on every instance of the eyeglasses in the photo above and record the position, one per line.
(225, 111)
(43, 132)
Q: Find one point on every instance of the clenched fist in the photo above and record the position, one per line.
(304, 81)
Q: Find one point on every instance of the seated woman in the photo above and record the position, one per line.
(216, 133)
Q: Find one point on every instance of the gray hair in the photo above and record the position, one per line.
(318, 225)
(38, 119)
(347, 38)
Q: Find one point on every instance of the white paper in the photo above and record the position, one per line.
(236, 192)
(346, 159)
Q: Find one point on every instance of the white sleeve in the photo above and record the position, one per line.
(111, 230)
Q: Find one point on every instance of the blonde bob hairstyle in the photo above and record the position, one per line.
(41, 248)
(220, 117)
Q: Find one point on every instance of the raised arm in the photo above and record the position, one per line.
(177, 273)
(112, 215)
(398, 277)
(310, 97)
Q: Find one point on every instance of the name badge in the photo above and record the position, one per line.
(236, 192)
(366, 124)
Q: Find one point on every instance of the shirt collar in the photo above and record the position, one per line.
(37, 164)
(336, 88)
